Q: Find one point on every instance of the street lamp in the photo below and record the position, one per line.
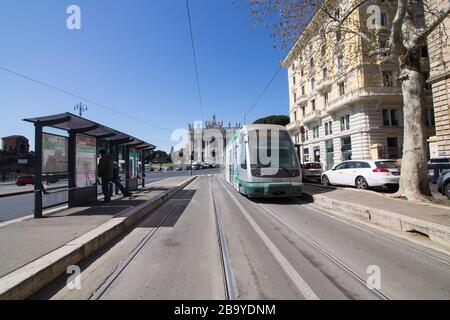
(81, 108)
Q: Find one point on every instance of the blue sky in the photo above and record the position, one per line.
(136, 56)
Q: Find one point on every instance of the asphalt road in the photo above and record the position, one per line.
(16, 207)
(212, 243)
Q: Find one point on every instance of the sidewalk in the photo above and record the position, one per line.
(33, 246)
(429, 219)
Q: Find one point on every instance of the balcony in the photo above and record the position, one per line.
(363, 94)
(302, 101)
(294, 127)
(313, 116)
(324, 85)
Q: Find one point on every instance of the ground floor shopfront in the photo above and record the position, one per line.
(357, 133)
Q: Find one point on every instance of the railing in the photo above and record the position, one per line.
(362, 93)
(293, 126)
(312, 116)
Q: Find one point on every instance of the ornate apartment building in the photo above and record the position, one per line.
(439, 50)
(345, 100)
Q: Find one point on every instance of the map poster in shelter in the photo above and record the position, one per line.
(54, 154)
(86, 159)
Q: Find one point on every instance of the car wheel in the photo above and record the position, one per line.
(447, 190)
(326, 181)
(361, 183)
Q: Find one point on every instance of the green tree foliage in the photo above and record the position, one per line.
(280, 120)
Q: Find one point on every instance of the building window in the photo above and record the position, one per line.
(325, 73)
(311, 63)
(390, 118)
(340, 61)
(302, 72)
(384, 19)
(306, 135)
(346, 148)
(345, 123)
(313, 105)
(328, 128)
(323, 50)
(303, 111)
(306, 155)
(325, 98)
(426, 76)
(341, 88)
(313, 84)
(338, 35)
(393, 148)
(430, 118)
(294, 80)
(295, 116)
(388, 79)
(295, 97)
(303, 90)
(316, 132)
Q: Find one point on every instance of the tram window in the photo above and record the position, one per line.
(285, 150)
(243, 157)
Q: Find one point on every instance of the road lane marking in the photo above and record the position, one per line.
(298, 281)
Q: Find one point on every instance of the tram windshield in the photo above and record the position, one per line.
(271, 153)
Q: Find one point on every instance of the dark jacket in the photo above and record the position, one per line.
(106, 167)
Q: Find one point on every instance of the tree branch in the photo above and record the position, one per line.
(435, 21)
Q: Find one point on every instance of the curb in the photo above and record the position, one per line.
(391, 220)
(21, 193)
(24, 282)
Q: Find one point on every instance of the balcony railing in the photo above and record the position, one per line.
(313, 116)
(302, 101)
(294, 126)
(324, 85)
(362, 93)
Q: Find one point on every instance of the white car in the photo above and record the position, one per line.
(364, 174)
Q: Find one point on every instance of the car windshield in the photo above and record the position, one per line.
(313, 166)
(387, 165)
(263, 146)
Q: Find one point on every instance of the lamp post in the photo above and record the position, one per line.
(80, 108)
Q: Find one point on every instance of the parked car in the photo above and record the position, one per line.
(436, 167)
(364, 174)
(312, 171)
(24, 180)
(443, 184)
(169, 169)
(179, 169)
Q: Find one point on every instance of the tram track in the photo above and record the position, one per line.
(378, 294)
(229, 281)
(103, 288)
(377, 235)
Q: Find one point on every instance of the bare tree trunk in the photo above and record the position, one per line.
(414, 184)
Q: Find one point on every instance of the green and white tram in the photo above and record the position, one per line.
(261, 162)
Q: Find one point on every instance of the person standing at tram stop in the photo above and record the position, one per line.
(106, 173)
(116, 181)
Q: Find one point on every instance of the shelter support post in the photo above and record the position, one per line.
(38, 172)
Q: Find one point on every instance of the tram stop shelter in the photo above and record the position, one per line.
(77, 156)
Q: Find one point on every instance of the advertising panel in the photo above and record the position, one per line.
(134, 159)
(54, 154)
(86, 159)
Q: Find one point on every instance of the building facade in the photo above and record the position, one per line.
(345, 100)
(15, 158)
(209, 140)
(439, 51)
